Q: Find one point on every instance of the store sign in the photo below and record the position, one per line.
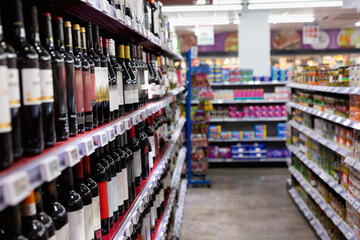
(311, 33)
(205, 35)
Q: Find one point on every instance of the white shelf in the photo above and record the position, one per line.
(273, 119)
(315, 195)
(270, 101)
(314, 222)
(330, 117)
(178, 129)
(328, 89)
(176, 91)
(315, 136)
(29, 173)
(227, 160)
(268, 139)
(250, 83)
(178, 168)
(180, 209)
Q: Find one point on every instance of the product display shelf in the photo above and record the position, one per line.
(270, 101)
(315, 136)
(324, 176)
(327, 116)
(250, 83)
(315, 195)
(175, 182)
(263, 119)
(156, 174)
(268, 139)
(176, 91)
(314, 222)
(232, 160)
(328, 89)
(178, 129)
(180, 210)
(100, 12)
(30, 172)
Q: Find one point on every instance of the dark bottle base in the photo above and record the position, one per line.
(121, 110)
(137, 181)
(100, 113)
(106, 111)
(129, 107)
(136, 106)
(105, 226)
(6, 153)
(111, 219)
(62, 128)
(116, 113)
(81, 128)
(133, 193)
(112, 115)
(95, 120)
(49, 124)
(116, 216)
(126, 205)
(16, 133)
(121, 210)
(73, 125)
(88, 121)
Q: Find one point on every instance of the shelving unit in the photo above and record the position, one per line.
(268, 139)
(255, 101)
(180, 210)
(328, 89)
(230, 160)
(256, 83)
(274, 119)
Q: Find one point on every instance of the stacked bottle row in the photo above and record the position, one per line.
(61, 79)
(87, 199)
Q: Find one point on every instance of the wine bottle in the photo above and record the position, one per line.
(105, 111)
(151, 86)
(91, 184)
(130, 167)
(113, 104)
(92, 95)
(42, 216)
(119, 80)
(124, 164)
(55, 210)
(111, 194)
(86, 197)
(79, 90)
(30, 86)
(132, 72)
(31, 226)
(46, 75)
(145, 77)
(144, 148)
(136, 70)
(72, 201)
(6, 150)
(128, 9)
(158, 84)
(127, 79)
(147, 17)
(155, 15)
(10, 221)
(59, 79)
(97, 104)
(151, 137)
(100, 174)
(119, 174)
(64, 46)
(135, 148)
(86, 76)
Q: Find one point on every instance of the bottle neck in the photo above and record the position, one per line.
(83, 40)
(79, 172)
(59, 34)
(67, 179)
(47, 33)
(39, 200)
(28, 208)
(121, 52)
(106, 47)
(12, 218)
(96, 39)
(50, 193)
(18, 21)
(68, 39)
(32, 30)
(87, 169)
(89, 38)
(77, 41)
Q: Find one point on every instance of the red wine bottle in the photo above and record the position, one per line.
(86, 77)
(66, 52)
(59, 79)
(112, 192)
(10, 221)
(119, 92)
(42, 216)
(128, 76)
(151, 137)
(119, 174)
(124, 164)
(46, 75)
(144, 149)
(106, 78)
(135, 148)
(99, 174)
(130, 167)
(86, 197)
(31, 226)
(72, 201)
(28, 65)
(111, 81)
(134, 67)
(55, 210)
(91, 184)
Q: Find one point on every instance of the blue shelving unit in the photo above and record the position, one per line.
(191, 175)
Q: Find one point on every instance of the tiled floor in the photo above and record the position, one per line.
(244, 203)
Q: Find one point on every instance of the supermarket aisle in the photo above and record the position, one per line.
(244, 204)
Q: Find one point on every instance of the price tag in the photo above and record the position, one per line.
(312, 222)
(323, 206)
(50, 169)
(350, 161)
(317, 200)
(356, 205)
(127, 123)
(329, 213)
(92, 2)
(318, 232)
(111, 134)
(128, 229)
(351, 200)
(139, 118)
(118, 14)
(331, 184)
(106, 6)
(332, 117)
(16, 188)
(357, 166)
(71, 156)
(87, 147)
(335, 220)
(134, 120)
(349, 235)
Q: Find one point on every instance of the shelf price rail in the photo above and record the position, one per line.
(250, 83)
(148, 187)
(30, 172)
(327, 89)
(180, 210)
(315, 195)
(260, 119)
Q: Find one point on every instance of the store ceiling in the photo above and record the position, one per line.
(327, 17)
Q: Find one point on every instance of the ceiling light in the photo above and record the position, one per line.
(291, 19)
(198, 21)
(357, 24)
(236, 21)
(204, 8)
(224, 2)
(200, 2)
(282, 5)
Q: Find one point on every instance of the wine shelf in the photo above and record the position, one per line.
(328, 89)
(268, 139)
(315, 195)
(274, 119)
(327, 116)
(180, 209)
(314, 222)
(252, 83)
(30, 172)
(271, 101)
(315, 136)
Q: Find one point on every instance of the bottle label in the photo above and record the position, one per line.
(105, 84)
(28, 209)
(111, 99)
(89, 222)
(146, 78)
(128, 4)
(114, 194)
(47, 89)
(119, 189)
(76, 224)
(120, 90)
(63, 233)
(125, 184)
(96, 214)
(163, 90)
(103, 196)
(5, 116)
(152, 152)
(98, 84)
(14, 87)
(110, 198)
(153, 215)
(128, 94)
(93, 87)
(31, 87)
(153, 90)
(86, 77)
(79, 93)
(137, 163)
(135, 94)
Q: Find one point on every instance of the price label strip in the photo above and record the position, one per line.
(16, 188)
(87, 147)
(71, 156)
(50, 169)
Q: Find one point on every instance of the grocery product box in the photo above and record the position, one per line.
(214, 135)
(260, 128)
(281, 127)
(215, 129)
(248, 135)
(236, 135)
(225, 135)
(281, 134)
(260, 135)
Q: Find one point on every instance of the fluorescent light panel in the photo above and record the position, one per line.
(357, 24)
(198, 21)
(293, 4)
(203, 8)
(291, 19)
